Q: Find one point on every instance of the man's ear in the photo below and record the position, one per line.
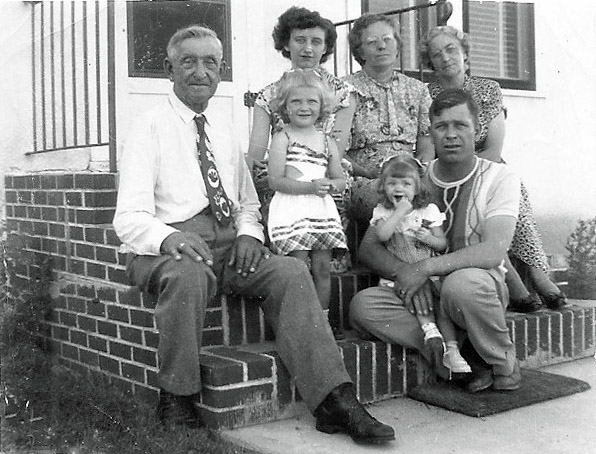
(167, 66)
(477, 131)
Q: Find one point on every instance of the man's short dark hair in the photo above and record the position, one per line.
(451, 98)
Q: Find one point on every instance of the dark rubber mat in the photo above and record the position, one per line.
(536, 386)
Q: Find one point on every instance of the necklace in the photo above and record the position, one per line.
(448, 199)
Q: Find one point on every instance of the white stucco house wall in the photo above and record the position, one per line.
(551, 131)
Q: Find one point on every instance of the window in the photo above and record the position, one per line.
(502, 42)
(151, 23)
(413, 24)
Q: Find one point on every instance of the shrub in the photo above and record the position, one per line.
(581, 245)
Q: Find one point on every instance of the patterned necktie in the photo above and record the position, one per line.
(220, 204)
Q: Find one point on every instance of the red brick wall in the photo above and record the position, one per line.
(98, 322)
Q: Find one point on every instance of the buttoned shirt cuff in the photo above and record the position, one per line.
(159, 236)
(152, 243)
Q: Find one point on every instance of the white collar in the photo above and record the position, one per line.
(451, 184)
(186, 114)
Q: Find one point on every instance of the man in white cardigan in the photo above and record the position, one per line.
(480, 199)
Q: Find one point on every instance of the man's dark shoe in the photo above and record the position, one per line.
(174, 410)
(341, 412)
(508, 382)
(482, 372)
(481, 379)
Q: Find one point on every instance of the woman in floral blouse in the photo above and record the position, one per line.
(391, 115)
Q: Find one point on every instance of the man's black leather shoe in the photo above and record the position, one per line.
(341, 412)
(174, 410)
(481, 379)
(482, 373)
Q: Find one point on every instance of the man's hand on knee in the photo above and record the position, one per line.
(411, 286)
(192, 245)
(422, 300)
(246, 254)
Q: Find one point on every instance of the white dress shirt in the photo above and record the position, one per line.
(161, 181)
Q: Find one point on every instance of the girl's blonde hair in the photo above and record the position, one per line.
(400, 167)
(296, 78)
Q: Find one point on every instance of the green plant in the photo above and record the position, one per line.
(581, 245)
(24, 310)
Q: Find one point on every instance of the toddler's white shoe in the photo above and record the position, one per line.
(456, 364)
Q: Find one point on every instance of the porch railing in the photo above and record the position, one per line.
(73, 70)
(72, 76)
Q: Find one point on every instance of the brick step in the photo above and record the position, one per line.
(109, 330)
(248, 384)
(244, 323)
(548, 337)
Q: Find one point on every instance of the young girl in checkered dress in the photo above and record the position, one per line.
(304, 170)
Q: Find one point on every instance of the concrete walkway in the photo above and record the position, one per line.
(559, 426)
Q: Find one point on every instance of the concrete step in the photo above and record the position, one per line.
(565, 425)
(247, 384)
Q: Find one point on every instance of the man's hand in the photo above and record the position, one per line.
(178, 244)
(192, 245)
(246, 254)
(413, 287)
(423, 299)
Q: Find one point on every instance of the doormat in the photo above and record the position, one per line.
(536, 386)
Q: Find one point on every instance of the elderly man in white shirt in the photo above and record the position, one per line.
(182, 245)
